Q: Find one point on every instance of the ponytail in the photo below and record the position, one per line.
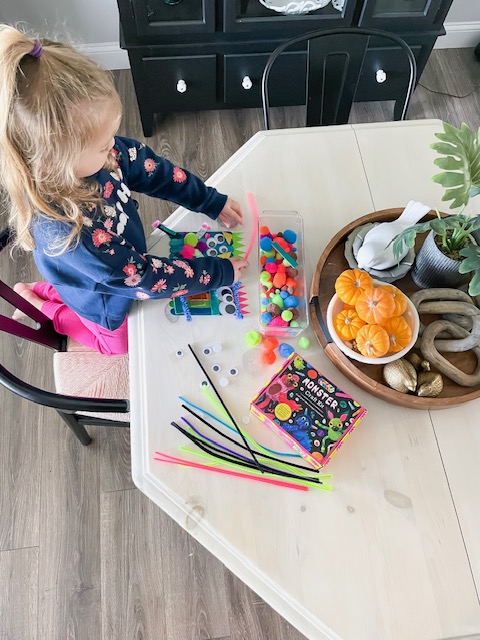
(51, 101)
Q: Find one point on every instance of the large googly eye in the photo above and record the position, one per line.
(216, 368)
(233, 371)
(211, 242)
(207, 351)
(224, 291)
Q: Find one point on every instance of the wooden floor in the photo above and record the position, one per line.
(83, 554)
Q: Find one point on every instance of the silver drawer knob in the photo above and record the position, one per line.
(181, 86)
(380, 76)
(247, 83)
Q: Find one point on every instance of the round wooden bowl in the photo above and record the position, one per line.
(369, 376)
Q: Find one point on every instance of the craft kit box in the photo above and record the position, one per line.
(307, 410)
(282, 290)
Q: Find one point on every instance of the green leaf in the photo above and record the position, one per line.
(471, 258)
(461, 164)
(474, 287)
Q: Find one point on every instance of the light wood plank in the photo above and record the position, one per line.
(132, 550)
(69, 561)
(18, 594)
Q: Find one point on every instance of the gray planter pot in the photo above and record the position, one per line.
(432, 268)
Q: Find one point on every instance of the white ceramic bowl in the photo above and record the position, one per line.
(411, 316)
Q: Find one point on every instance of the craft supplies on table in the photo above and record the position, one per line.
(282, 287)
(307, 410)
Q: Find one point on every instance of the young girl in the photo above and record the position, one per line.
(69, 180)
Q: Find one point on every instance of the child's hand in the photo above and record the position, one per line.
(238, 265)
(231, 214)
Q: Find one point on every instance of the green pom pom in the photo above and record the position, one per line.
(191, 239)
(252, 338)
(303, 342)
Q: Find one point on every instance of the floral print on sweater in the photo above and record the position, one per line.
(110, 267)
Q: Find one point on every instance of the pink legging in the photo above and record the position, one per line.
(69, 323)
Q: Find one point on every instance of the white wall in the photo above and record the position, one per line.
(93, 25)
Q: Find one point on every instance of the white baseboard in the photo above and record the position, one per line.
(459, 35)
(110, 56)
(107, 54)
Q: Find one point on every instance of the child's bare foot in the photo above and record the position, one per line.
(25, 289)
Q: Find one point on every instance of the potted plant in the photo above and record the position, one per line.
(449, 253)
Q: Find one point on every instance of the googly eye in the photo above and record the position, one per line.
(207, 351)
(211, 242)
(233, 371)
(179, 353)
(245, 420)
(223, 382)
(220, 238)
(216, 368)
(223, 249)
(211, 253)
(204, 383)
(217, 347)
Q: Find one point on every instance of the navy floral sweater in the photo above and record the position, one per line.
(109, 268)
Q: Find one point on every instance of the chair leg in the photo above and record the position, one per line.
(78, 429)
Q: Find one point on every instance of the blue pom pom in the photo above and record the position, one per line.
(266, 318)
(265, 243)
(285, 349)
(290, 236)
(291, 301)
(284, 294)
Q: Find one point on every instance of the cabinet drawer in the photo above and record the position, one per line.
(393, 62)
(287, 79)
(181, 82)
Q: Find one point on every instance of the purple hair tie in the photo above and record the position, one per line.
(36, 52)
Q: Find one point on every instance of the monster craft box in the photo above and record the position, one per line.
(307, 410)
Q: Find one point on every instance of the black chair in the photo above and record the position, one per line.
(74, 367)
(338, 62)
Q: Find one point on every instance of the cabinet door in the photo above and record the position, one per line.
(180, 82)
(172, 17)
(398, 15)
(243, 79)
(275, 16)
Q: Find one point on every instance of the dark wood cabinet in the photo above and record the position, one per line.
(209, 54)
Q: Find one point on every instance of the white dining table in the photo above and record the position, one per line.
(393, 552)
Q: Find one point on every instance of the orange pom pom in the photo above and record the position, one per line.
(268, 357)
(270, 343)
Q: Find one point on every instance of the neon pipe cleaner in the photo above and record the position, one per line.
(293, 263)
(263, 455)
(254, 210)
(206, 391)
(323, 487)
(207, 439)
(224, 406)
(249, 438)
(237, 474)
(208, 448)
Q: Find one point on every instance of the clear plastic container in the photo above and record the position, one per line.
(286, 258)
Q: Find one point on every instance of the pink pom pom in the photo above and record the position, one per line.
(278, 321)
(187, 251)
(271, 267)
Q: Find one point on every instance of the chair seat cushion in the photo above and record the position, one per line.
(91, 374)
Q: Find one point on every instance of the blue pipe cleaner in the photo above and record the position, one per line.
(185, 309)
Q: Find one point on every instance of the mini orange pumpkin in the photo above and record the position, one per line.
(399, 298)
(372, 341)
(347, 323)
(351, 283)
(399, 333)
(375, 305)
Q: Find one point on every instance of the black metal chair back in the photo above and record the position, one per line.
(45, 334)
(337, 61)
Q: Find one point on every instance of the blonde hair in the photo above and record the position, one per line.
(51, 107)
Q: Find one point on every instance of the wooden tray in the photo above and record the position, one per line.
(369, 376)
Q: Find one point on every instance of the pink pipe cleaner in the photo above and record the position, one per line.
(196, 465)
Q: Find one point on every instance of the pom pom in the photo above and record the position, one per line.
(252, 338)
(285, 350)
(268, 357)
